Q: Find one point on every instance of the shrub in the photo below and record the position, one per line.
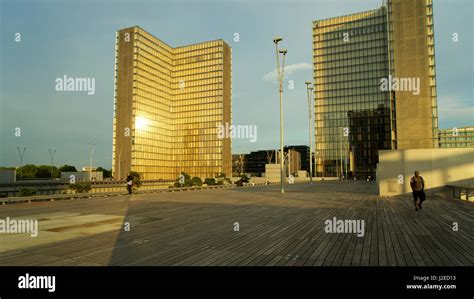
(136, 180)
(210, 181)
(196, 181)
(27, 192)
(184, 180)
(244, 179)
(82, 187)
(222, 180)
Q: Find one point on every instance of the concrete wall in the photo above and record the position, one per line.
(303, 174)
(7, 176)
(83, 175)
(272, 173)
(439, 167)
(413, 49)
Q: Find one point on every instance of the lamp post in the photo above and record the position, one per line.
(91, 152)
(280, 73)
(21, 154)
(52, 154)
(309, 91)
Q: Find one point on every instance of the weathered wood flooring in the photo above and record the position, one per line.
(197, 228)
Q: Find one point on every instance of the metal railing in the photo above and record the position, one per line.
(28, 199)
(464, 192)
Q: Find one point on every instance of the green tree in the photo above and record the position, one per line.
(44, 172)
(184, 180)
(136, 179)
(56, 172)
(210, 181)
(81, 187)
(106, 173)
(67, 168)
(196, 181)
(27, 171)
(27, 192)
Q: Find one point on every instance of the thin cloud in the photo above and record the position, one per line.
(289, 70)
(453, 110)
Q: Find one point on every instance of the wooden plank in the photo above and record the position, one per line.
(196, 228)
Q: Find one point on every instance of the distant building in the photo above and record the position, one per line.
(239, 162)
(456, 137)
(304, 152)
(292, 162)
(254, 162)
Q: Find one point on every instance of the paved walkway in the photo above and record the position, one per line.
(200, 228)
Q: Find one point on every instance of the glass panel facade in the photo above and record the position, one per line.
(354, 117)
(352, 114)
(172, 100)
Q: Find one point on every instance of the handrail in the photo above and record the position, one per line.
(31, 198)
(460, 188)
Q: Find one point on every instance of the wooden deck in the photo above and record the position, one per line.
(197, 228)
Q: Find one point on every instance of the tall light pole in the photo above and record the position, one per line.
(52, 154)
(280, 73)
(21, 154)
(309, 91)
(91, 152)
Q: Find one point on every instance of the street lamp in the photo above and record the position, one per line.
(21, 154)
(280, 73)
(52, 154)
(91, 152)
(309, 91)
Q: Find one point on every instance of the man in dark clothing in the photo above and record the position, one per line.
(417, 185)
(129, 183)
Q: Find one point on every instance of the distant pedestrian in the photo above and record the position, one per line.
(417, 184)
(129, 184)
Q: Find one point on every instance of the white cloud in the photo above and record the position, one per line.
(453, 109)
(289, 69)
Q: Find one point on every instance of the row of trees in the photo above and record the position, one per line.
(31, 171)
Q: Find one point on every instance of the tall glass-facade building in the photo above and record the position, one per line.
(354, 115)
(169, 106)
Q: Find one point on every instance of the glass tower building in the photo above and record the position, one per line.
(354, 115)
(169, 106)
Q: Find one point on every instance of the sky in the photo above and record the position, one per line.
(77, 38)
